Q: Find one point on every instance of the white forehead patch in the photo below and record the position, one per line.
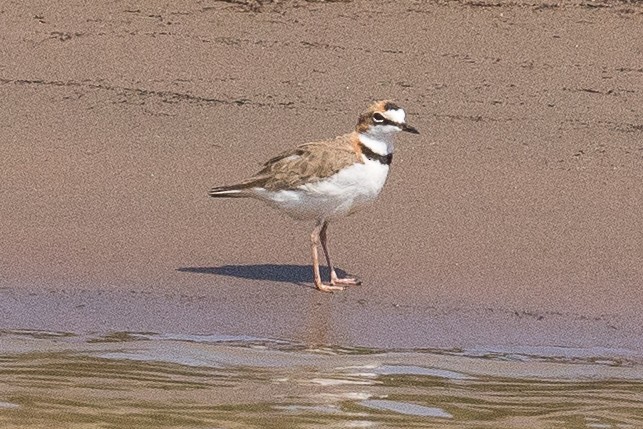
(396, 115)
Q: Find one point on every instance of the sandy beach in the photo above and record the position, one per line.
(514, 219)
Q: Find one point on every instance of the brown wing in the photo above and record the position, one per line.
(305, 163)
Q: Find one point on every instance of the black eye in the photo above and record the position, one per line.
(377, 117)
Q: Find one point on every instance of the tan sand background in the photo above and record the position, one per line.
(515, 218)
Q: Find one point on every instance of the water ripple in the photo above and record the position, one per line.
(126, 380)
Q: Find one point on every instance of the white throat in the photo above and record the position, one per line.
(380, 143)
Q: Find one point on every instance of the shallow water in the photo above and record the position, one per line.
(128, 380)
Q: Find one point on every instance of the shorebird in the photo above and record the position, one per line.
(329, 179)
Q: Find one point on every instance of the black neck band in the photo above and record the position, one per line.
(368, 153)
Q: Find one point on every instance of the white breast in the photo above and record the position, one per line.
(339, 195)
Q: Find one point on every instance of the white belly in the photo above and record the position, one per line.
(337, 196)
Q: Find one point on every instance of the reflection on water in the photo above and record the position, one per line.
(123, 380)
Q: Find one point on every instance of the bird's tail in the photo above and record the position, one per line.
(233, 191)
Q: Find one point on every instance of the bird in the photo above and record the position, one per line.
(326, 180)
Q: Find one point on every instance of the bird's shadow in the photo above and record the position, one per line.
(297, 274)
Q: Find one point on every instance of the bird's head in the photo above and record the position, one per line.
(383, 119)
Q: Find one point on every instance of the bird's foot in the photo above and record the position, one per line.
(348, 281)
(328, 287)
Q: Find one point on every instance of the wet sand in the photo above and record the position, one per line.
(514, 219)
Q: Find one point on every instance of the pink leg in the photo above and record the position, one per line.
(333, 275)
(317, 277)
